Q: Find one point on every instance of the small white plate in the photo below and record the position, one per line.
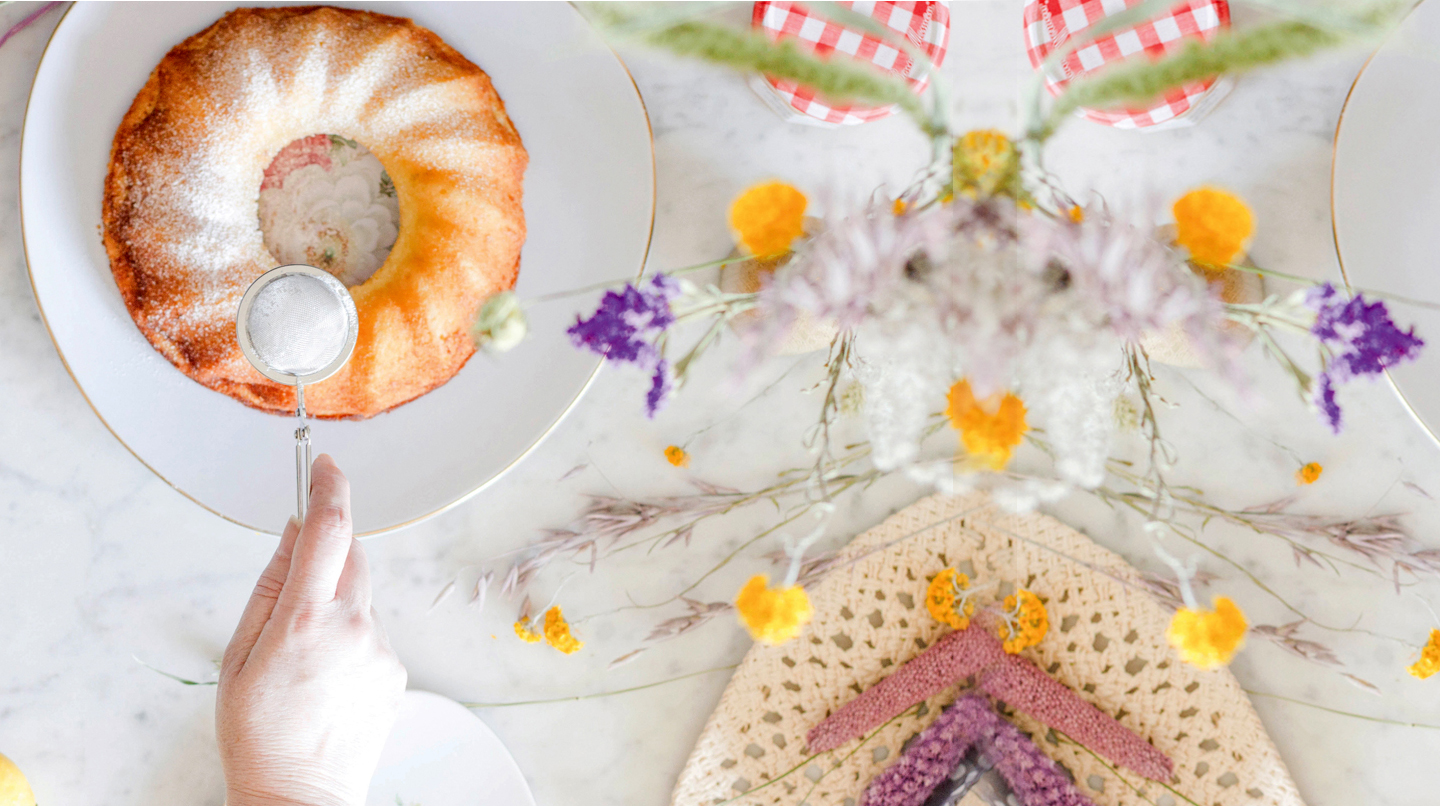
(1385, 193)
(589, 207)
(440, 754)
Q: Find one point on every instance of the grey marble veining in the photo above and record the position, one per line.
(101, 561)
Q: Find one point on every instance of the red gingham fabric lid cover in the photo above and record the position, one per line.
(925, 24)
(1050, 23)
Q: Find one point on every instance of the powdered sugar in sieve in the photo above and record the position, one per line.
(297, 324)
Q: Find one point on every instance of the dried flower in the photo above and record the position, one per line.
(1024, 621)
(954, 657)
(898, 208)
(529, 636)
(1034, 778)
(700, 613)
(768, 217)
(1429, 662)
(1362, 341)
(930, 758)
(991, 429)
(1007, 300)
(1308, 474)
(1213, 225)
(948, 601)
(1015, 680)
(1011, 678)
(557, 632)
(676, 455)
(1076, 213)
(501, 324)
(985, 163)
(1208, 639)
(773, 615)
(624, 327)
(1284, 637)
(1139, 81)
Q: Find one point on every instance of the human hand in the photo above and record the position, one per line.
(309, 687)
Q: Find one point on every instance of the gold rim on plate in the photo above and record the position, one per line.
(494, 477)
(1335, 228)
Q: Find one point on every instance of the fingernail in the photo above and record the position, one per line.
(294, 521)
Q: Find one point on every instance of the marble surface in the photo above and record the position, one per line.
(101, 562)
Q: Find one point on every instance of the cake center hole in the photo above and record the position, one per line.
(327, 202)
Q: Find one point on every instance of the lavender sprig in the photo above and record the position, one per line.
(624, 328)
(1362, 340)
(1034, 778)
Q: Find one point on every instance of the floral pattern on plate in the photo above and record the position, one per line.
(327, 201)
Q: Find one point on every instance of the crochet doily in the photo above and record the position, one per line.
(1106, 642)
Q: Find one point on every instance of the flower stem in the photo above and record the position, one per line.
(1338, 712)
(597, 695)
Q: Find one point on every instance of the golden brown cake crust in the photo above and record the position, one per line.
(180, 206)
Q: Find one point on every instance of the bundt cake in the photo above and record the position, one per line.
(180, 208)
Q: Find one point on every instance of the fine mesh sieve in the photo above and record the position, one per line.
(297, 325)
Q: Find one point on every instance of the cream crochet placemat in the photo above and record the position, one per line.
(1106, 642)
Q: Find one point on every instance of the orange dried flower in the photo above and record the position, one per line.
(1309, 473)
(1024, 621)
(676, 455)
(773, 615)
(947, 600)
(768, 217)
(1207, 639)
(1214, 225)
(1429, 662)
(990, 429)
(557, 632)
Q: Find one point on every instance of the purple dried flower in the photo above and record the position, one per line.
(931, 757)
(624, 327)
(1034, 778)
(1362, 339)
(661, 385)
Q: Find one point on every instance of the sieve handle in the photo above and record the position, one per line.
(302, 470)
(302, 455)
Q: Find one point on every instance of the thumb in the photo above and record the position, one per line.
(262, 601)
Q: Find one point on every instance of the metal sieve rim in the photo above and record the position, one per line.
(242, 335)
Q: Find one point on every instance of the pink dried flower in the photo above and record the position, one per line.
(1011, 678)
(949, 660)
(1022, 685)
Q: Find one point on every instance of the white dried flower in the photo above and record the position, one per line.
(501, 323)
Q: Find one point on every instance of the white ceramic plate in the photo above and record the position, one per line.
(440, 754)
(589, 206)
(1385, 193)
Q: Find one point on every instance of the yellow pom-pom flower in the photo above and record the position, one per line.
(1024, 621)
(1208, 639)
(1429, 662)
(529, 636)
(1213, 225)
(768, 218)
(985, 164)
(773, 615)
(677, 456)
(948, 599)
(1309, 473)
(557, 632)
(14, 789)
(991, 429)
